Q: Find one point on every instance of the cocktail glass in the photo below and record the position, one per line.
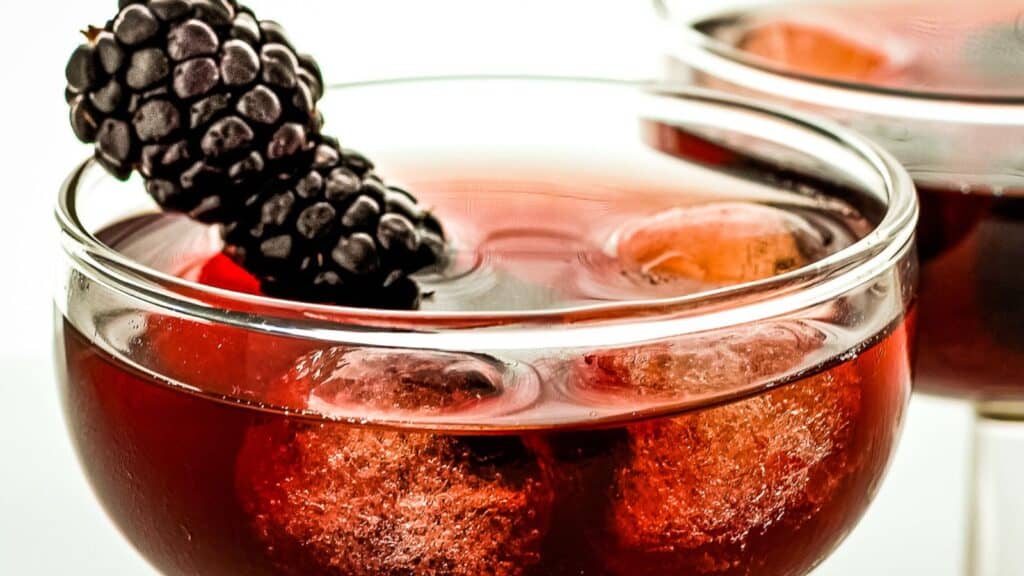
(631, 365)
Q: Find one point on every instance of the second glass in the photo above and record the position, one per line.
(940, 84)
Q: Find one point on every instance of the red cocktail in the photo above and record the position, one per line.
(644, 357)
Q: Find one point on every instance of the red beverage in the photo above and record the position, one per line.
(971, 341)
(968, 57)
(547, 412)
(202, 485)
(206, 487)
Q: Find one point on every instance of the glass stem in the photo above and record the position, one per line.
(996, 546)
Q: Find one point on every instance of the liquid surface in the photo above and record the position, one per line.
(539, 244)
(537, 247)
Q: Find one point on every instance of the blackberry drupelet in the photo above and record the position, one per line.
(218, 113)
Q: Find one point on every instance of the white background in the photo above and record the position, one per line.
(49, 523)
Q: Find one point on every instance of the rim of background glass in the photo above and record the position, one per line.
(582, 326)
(726, 62)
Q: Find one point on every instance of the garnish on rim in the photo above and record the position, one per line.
(217, 112)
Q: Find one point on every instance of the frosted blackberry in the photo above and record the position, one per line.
(217, 112)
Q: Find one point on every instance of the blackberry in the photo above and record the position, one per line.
(335, 233)
(217, 111)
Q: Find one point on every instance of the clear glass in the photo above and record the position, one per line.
(941, 86)
(997, 530)
(737, 428)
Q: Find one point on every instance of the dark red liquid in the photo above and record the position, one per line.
(202, 487)
(766, 485)
(972, 294)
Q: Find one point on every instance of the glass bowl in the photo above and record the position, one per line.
(546, 412)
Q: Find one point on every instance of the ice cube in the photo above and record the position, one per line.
(692, 494)
(336, 498)
(702, 493)
(697, 365)
(396, 382)
(719, 243)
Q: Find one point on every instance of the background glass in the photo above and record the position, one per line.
(940, 85)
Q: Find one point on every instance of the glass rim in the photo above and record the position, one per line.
(586, 325)
(726, 62)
